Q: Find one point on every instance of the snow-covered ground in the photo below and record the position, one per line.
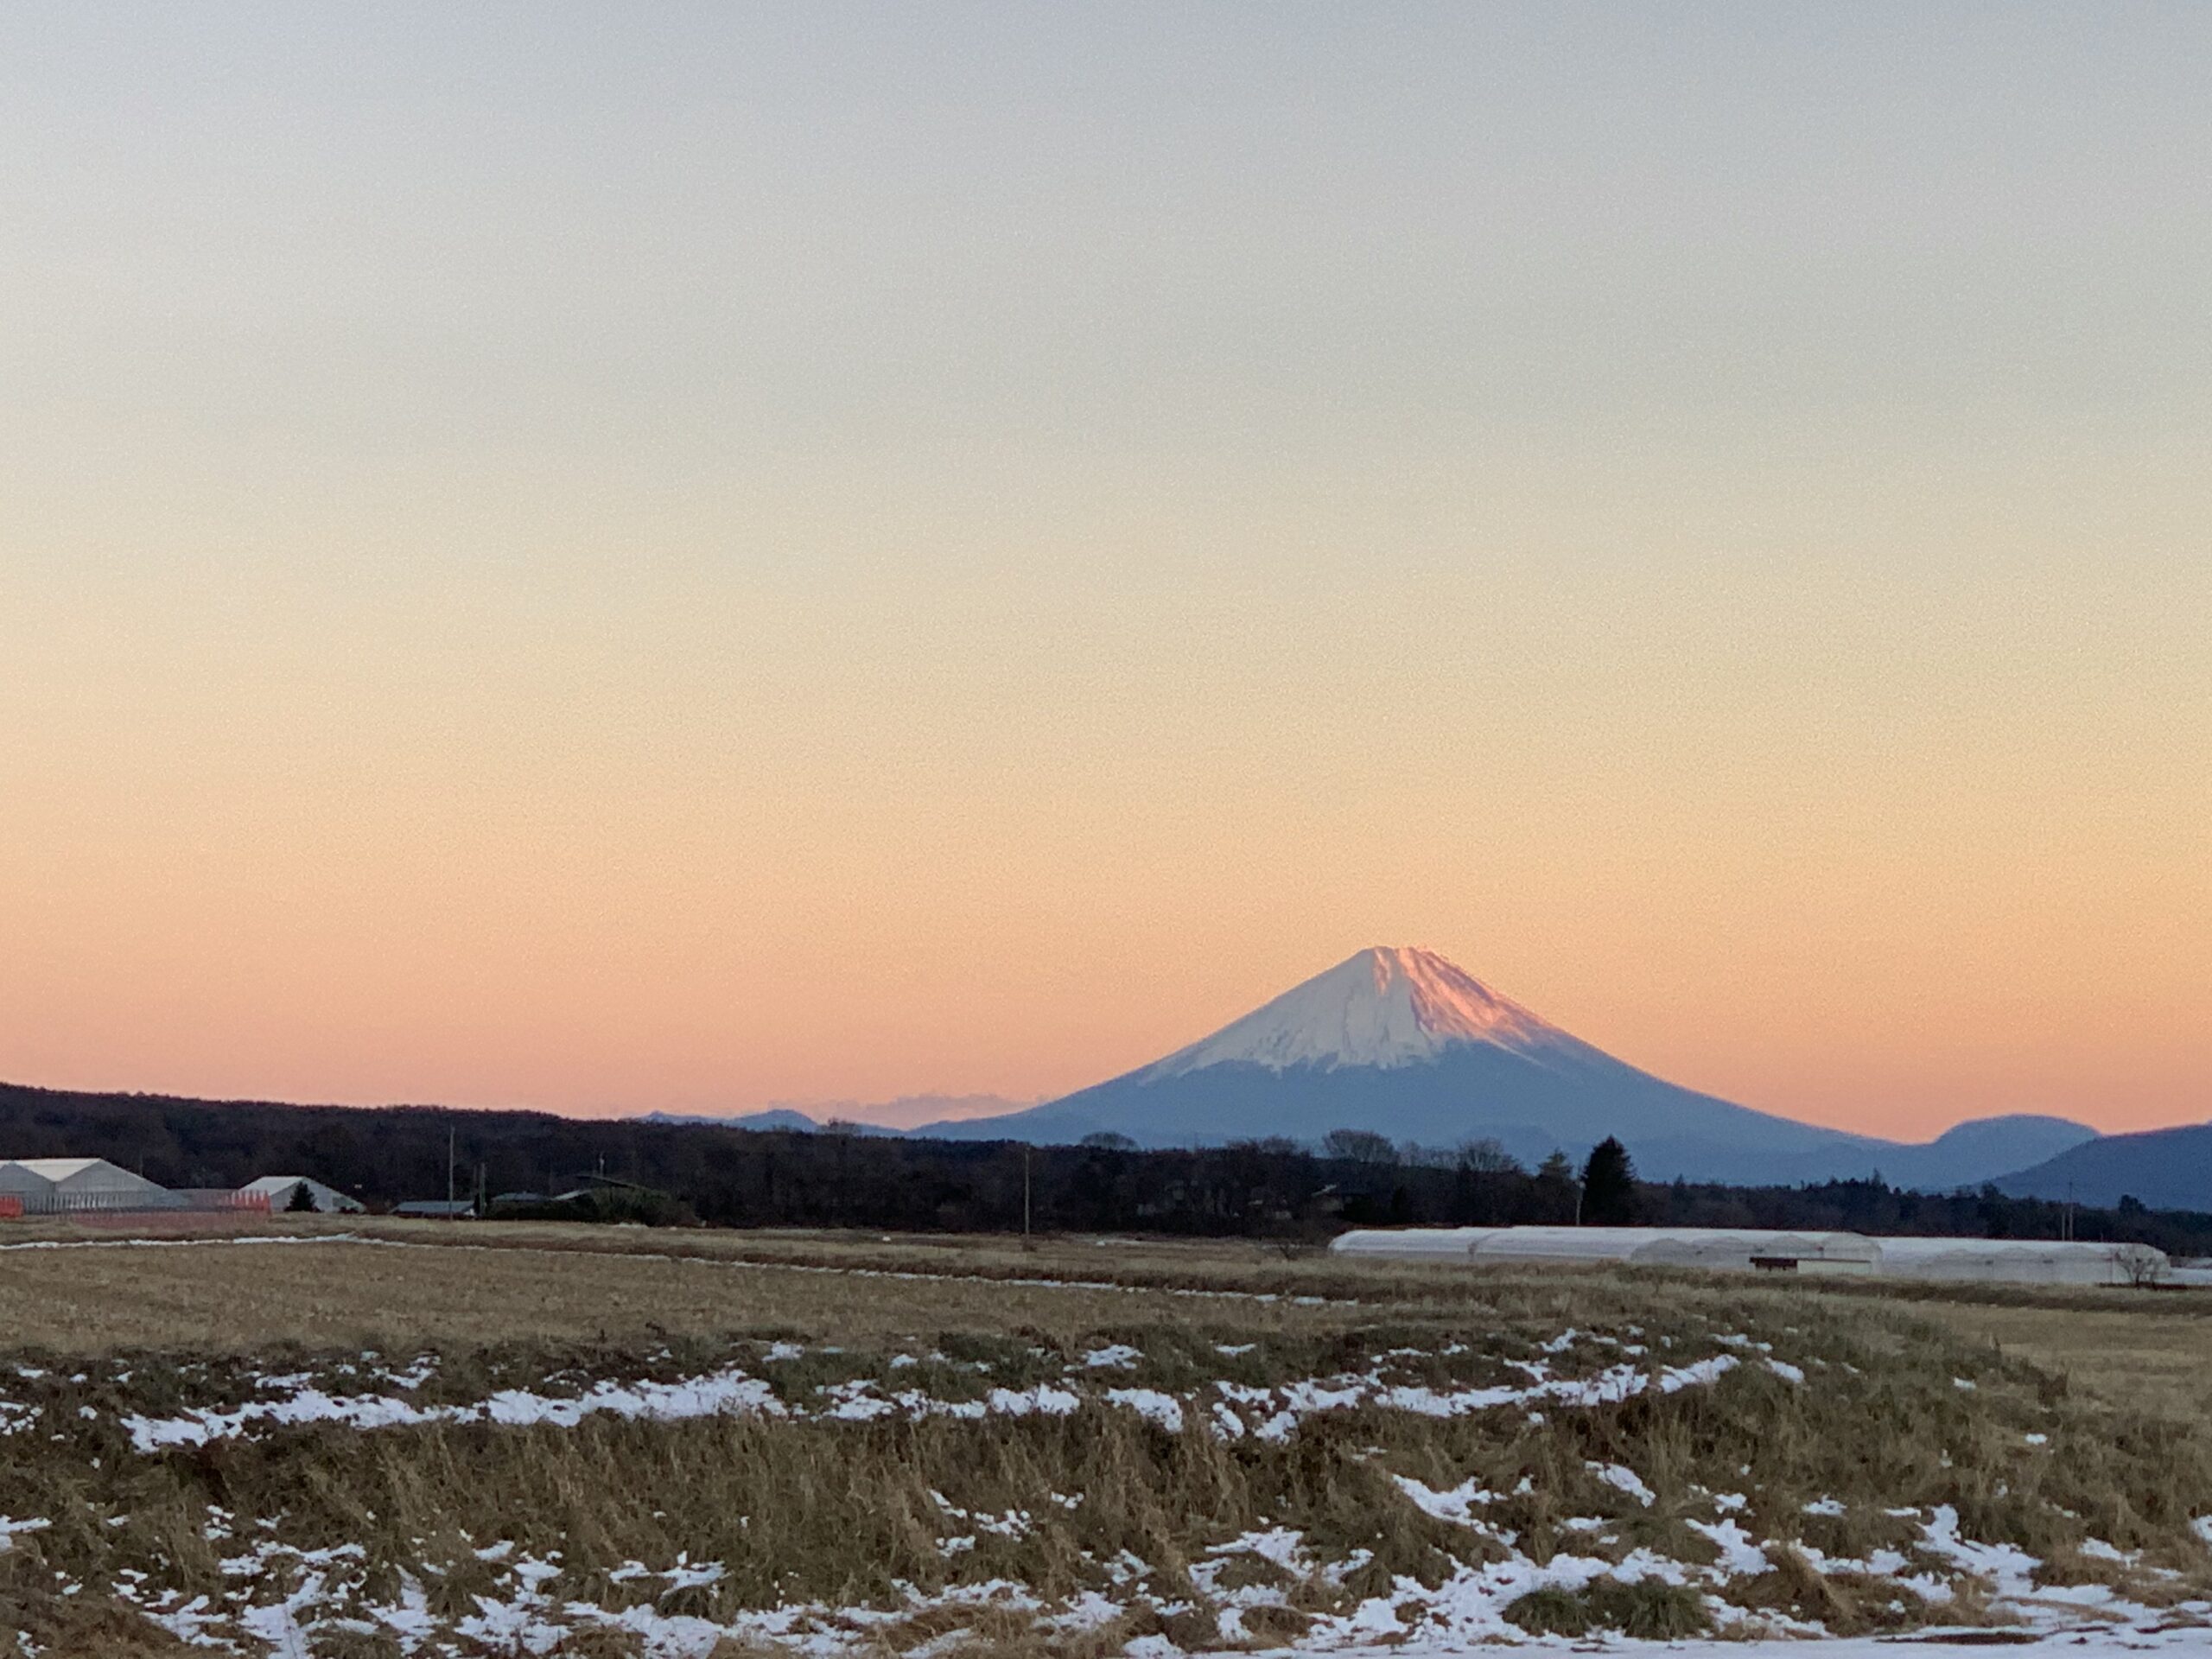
(1617, 1517)
(1269, 1412)
(522, 1614)
(520, 1608)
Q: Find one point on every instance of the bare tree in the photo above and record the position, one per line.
(1485, 1157)
(1358, 1146)
(2140, 1265)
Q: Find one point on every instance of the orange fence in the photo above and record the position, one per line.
(135, 1208)
(186, 1218)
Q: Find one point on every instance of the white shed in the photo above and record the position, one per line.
(282, 1192)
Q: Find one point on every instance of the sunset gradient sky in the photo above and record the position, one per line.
(616, 558)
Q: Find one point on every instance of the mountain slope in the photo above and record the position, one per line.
(1402, 1042)
(2166, 1169)
(1970, 1152)
(865, 1117)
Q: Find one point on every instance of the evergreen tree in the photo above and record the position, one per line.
(1552, 1193)
(1608, 1186)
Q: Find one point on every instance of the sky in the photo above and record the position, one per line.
(621, 559)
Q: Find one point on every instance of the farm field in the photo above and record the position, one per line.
(385, 1440)
(2156, 1357)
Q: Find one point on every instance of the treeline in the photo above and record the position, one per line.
(1270, 1190)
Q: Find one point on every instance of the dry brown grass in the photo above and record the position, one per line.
(846, 1514)
(445, 1288)
(2154, 1354)
(514, 1282)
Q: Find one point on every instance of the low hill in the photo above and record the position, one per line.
(2164, 1169)
(1965, 1155)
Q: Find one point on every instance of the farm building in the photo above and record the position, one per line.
(282, 1192)
(2014, 1261)
(57, 1185)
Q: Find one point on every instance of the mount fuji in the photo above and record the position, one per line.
(1401, 1042)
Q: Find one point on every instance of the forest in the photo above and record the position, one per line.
(1267, 1190)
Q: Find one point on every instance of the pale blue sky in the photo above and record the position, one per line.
(659, 239)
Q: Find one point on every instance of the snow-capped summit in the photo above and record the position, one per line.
(1389, 1005)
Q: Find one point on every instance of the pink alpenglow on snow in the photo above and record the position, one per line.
(1389, 1005)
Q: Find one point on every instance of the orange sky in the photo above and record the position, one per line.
(725, 568)
(1824, 849)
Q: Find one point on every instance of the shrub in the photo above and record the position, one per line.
(1650, 1610)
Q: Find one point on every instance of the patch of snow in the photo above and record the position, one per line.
(1623, 1478)
(1457, 1505)
(1154, 1406)
(1044, 1399)
(2008, 1569)
(1740, 1551)
(724, 1392)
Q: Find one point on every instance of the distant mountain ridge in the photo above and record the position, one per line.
(1402, 1042)
(2164, 1169)
(772, 1117)
(876, 1117)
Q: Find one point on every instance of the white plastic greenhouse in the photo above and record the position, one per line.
(2023, 1261)
(1757, 1249)
(1412, 1244)
(44, 1185)
(1729, 1249)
